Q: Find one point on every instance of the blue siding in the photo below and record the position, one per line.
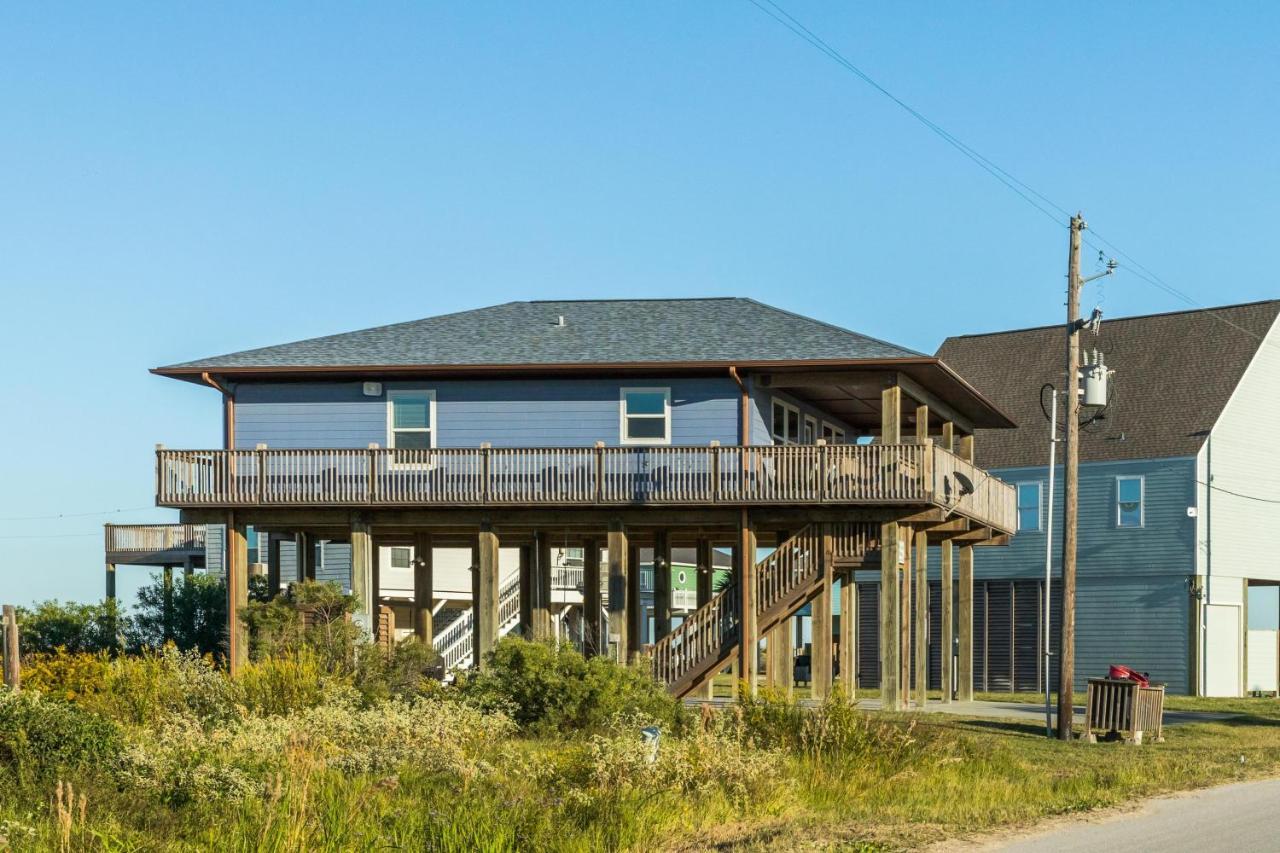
(1141, 622)
(506, 413)
(215, 549)
(332, 564)
(1165, 545)
(762, 414)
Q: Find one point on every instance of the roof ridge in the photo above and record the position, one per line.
(1150, 316)
(842, 329)
(619, 299)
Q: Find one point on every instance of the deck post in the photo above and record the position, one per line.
(475, 604)
(891, 415)
(945, 627)
(423, 587)
(362, 574)
(12, 654)
(748, 625)
(487, 612)
(890, 617)
(619, 550)
(965, 448)
(237, 593)
(591, 603)
(821, 659)
(635, 612)
(775, 660)
(111, 581)
(922, 619)
(525, 568)
(948, 441)
(705, 592)
(964, 667)
(305, 556)
(904, 620)
(543, 627)
(661, 586)
(273, 565)
(848, 636)
(168, 603)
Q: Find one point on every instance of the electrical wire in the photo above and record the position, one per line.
(1239, 494)
(1026, 192)
(76, 514)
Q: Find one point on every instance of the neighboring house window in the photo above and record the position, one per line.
(646, 415)
(1129, 500)
(1028, 506)
(400, 558)
(786, 423)
(832, 433)
(411, 419)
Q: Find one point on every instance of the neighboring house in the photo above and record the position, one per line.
(631, 432)
(1179, 525)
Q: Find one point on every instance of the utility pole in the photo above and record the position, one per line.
(1070, 488)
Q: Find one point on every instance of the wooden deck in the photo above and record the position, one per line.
(834, 475)
(153, 544)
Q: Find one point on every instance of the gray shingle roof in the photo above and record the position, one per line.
(594, 332)
(1174, 374)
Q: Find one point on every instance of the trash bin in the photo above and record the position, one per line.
(1132, 709)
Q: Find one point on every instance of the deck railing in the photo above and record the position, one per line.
(149, 538)
(569, 476)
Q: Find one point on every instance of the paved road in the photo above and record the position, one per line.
(1238, 818)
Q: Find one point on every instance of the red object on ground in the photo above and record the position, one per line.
(1123, 672)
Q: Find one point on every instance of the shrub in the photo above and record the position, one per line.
(147, 688)
(197, 619)
(42, 738)
(412, 668)
(548, 689)
(72, 676)
(282, 684)
(276, 626)
(77, 628)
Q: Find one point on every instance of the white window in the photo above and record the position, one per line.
(810, 430)
(400, 558)
(411, 420)
(1130, 495)
(832, 433)
(645, 416)
(786, 422)
(1028, 506)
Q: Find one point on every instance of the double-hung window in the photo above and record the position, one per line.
(1028, 506)
(411, 420)
(646, 416)
(1129, 501)
(786, 423)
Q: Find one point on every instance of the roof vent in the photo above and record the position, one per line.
(559, 320)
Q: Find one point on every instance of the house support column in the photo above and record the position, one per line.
(237, 594)
(527, 553)
(821, 659)
(705, 592)
(591, 603)
(945, 641)
(848, 637)
(424, 588)
(487, 599)
(904, 620)
(964, 667)
(366, 614)
(890, 617)
(273, 565)
(661, 586)
(635, 609)
(111, 581)
(543, 628)
(922, 619)
(619, 550)
(168, 603)
(305, 556)
(748, 626)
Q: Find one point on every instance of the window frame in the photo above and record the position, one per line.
(789, 407)
(430, 394)
(623, 438)
(837, 434)
(1039, 484)
(391, 556)
(1142, 502)
(809, 427)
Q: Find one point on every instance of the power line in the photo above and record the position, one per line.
(53, 535)
(1240, 494)
(1025, 191)
(76, 514)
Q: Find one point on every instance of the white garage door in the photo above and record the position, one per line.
(1262, 662)
(1222, 650)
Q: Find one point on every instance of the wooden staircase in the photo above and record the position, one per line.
(786, 581)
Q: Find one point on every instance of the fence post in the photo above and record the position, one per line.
(371, 491)
(12, 667)
(599, 479)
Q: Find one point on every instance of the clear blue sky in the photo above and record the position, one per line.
(181, 180)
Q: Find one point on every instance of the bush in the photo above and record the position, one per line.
(548, 689)
(282, 684)
(275, 625)
(42, 739)
(147, 688)
(77, 628)
(197, 620)
(412, 668)
(71, 676)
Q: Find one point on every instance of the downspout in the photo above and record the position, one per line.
(228, 411)
(744, 415)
